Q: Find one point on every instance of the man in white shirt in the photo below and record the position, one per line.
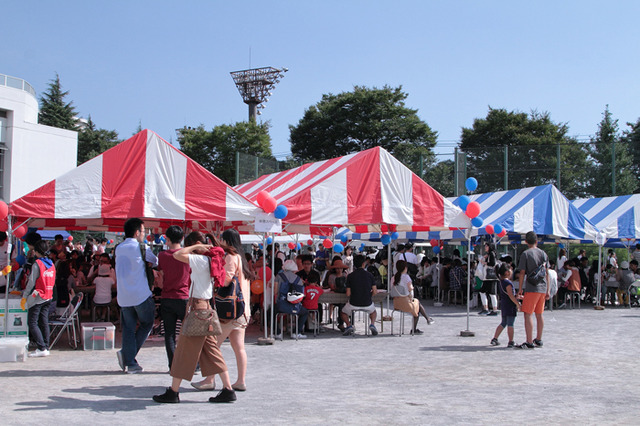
(134, 295)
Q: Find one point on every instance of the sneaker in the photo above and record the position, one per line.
(373, 330)
(301, 336)
(483, 312)
(169, 397)
(537, 342)
(494, 342)
(39, 353)
(430, 320)
(511, 344)
(341, 327)
(492, 314)
(120, 360)
(526, 345)
(417, 331)
(134, 369)
(225, 395)
(349, 331)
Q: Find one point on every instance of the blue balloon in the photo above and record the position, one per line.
(394, 236)
(436, 250)
(386, 239)
(337, 247)
(497, 229)
(560, 245)
(463, 202)
(362, 245)
(477, 221)
(298, 246)
(269, 240)
(344, 238)
(20, 259)
(471, 184)
(281, 212)
(260, 246)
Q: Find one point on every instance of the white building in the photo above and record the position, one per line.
(31, 154)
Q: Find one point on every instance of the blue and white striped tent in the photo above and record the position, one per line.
(542, 209)
(616, 217)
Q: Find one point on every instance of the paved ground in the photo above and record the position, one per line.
(586, 373)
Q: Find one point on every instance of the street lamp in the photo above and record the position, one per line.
(256, 85)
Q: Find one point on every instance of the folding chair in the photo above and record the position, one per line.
(69, 321)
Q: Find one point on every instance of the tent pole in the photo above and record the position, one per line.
(599, 287)
(267, 293)
(273, 265)
(6, 287)
(389, 279)
(467, 332)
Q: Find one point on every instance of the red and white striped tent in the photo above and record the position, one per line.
(144, 177)
(369, 191)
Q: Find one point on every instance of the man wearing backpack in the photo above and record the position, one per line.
(533, 267)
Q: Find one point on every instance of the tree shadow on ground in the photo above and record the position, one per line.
(126, 398)
(65, 373)
(459, 348)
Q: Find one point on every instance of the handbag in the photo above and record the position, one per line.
(490, 274)
(200, 322)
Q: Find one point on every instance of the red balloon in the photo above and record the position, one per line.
(309, 242)
(3, 226)
(291, 246)
(327, 243)
(4, 210)
(433, 242)
(261, 197)
(149, 237)
(269, 205)
(20, 231)
(489, 229)
(70, 238)
(473, 209)
(503, 233)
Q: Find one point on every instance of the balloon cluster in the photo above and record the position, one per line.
(435, 246)
(270, 205)
(20, 231)
(496, 229)
(361, 249)
(385, 239)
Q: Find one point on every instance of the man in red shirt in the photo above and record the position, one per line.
(175, 289)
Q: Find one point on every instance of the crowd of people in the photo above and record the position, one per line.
(143, 285)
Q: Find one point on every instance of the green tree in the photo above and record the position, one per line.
(93, 141)
(530, 142)
(364, 118)
(215, 150)
(441, 178)
(612, 170)
(632, 138)
(54, 110)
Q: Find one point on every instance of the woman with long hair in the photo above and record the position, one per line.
(562, 257)
(403, 300)
(236, 265)
(203, 350)
(489, 261)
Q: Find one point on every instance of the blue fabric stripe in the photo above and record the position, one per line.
(608, 210)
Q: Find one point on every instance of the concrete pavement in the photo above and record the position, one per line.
(586, 373)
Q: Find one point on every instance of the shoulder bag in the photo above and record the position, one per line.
(200, 322)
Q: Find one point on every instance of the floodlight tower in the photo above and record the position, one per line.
(255, 86)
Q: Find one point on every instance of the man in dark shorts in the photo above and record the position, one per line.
(361, 287)
(536, 292)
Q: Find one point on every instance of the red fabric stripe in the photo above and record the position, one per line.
(363, 188)
(123, 169)
(428, 204)
(38, 203)
(205, 194)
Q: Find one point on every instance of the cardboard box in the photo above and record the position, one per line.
(18, 325)
(98, 336)
(13, 349)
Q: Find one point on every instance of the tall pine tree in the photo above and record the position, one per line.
(54, 110)
(612, 172)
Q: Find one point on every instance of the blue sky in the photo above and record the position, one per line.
(166, 64)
